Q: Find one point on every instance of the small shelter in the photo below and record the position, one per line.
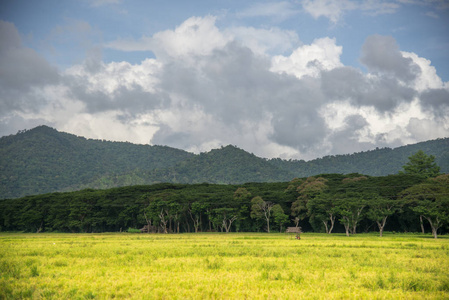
(296, 230)
(148, 229)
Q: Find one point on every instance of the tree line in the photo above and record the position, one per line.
(417, 199)
(327, 203)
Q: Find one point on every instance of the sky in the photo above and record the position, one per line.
(296, 79)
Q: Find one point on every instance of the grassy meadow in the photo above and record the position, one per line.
(223, 266)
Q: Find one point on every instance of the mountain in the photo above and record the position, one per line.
(379, 162)
(43, 160)
(228, 165)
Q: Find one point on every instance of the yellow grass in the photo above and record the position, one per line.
(223, 266)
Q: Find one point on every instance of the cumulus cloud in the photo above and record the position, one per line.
(199, 36)
(427, 78)
(22, 73)
(209, 87)
(436, 101)
(351, 135)
(322, 54)
(265, 41)
(381, 54)
(331, 9)
(130, 88)
(426, 128)
(195, 36)
(20, 67)
(382, 93)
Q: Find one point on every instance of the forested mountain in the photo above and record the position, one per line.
(378, 162)
(44, 160)
(227, 165)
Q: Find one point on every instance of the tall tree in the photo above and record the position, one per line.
(323, 208)
(430, 200)
(195, 210)
(380, 209)
(261, 209)
(280, 218)
(224, 217)
(161, 209)
(309, 189)
(422, 164)
(350, 207)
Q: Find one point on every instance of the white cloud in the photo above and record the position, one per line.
(382, 56)
(195, 36)
(209, 87)
(115, 75)
(106, 125)
(331, 9)
(422, 129)
(200, 36)
(427, 78)
(265, 41)
(407, 124)
(309, 60)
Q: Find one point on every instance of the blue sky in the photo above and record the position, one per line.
(291, 79)
(420, 28)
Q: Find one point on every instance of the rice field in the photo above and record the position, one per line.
(223, 266)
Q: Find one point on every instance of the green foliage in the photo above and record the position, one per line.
(430, 200)
(380, 209)
(261, 209)
(422, 164)
(280, 218)
(307, 190)
(228, 165)
(333, 202)
(350, 206)
(43, 160)
(378, 162)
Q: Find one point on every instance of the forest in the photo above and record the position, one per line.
(326, 203)
(44, 160)
(207, 192)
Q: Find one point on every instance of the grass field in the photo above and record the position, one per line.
(229, 266)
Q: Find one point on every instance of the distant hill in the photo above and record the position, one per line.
(379, 162)
(227, 165)
(43, 160)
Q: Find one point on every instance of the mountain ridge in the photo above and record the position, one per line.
(43, 160)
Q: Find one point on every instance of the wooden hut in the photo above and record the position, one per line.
(293, 230)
